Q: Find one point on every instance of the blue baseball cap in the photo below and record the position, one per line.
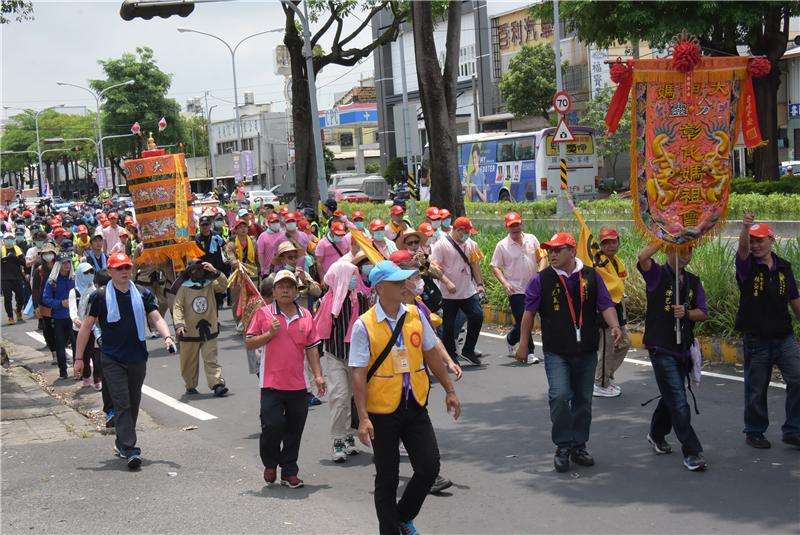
(243, 212)
(388, 271)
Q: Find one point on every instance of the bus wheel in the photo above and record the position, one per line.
(504, 196)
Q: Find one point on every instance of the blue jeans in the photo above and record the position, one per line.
(471, 307)
(673, 411)
(517, 303)
(571, 381)
(760, 354)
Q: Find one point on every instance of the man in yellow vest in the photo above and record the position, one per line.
(391, 349)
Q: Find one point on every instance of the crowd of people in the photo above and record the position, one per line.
(365, 311)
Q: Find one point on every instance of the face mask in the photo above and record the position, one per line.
(419, 286)
(335, 239)
(48, 257)
(289, 267)
(353, 282)
(217, 224)
(464, 238)
(38, 243)
(365, 269)
(20, 238)
(446, 222)
(275, 227)
(360, 225)
(397, 219)
(291, 226)
(379, 235)
(8, 242)
(436, 224)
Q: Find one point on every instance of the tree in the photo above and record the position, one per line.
(620, 141)
(144, 101)
(333, 13)
(20, 10)
(329, 167)
(198, 135)
(530, 82)
(437, 92)
(372, 168)
(763, 26)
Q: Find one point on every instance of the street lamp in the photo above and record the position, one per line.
(233, 64)
(97, 97)
(312, 93)
(38, 147)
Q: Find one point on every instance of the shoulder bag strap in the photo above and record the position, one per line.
(388, 348)
(461, 253)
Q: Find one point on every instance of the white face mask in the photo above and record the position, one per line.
(291, 226)
(419, 286)
(436, 223)
(275, 227)
(48, 257)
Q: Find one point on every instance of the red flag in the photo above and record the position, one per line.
(250, 299)
(162, 125)
(136, 130)
(750, 129)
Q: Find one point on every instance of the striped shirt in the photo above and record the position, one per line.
(335, 345)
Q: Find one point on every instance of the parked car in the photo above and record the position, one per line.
(374, 186)
(791, 167)
(266, 195)
(350, 196)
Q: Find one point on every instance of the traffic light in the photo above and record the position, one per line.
(147, 9)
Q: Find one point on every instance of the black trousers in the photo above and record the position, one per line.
(49, 333)
(64, 336)
(124, 381)
(411, 424)
(283, 418)
(17, 288)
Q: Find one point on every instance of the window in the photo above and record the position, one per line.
(524, 149)
(247, 144)
(226, 147)
(505, 151)
(466, 61)
(346, 139)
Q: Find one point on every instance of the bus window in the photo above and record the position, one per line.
(524, 149)
(505, 151)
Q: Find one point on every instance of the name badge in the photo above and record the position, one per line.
(400, 360)
(578, 334)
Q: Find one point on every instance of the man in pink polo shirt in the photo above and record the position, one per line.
(459, 259)
(332, 247)
(286, 331)
(514, 262)
(268, 243)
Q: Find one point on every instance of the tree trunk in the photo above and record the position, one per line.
(306, 188)
(67, 188)
(438, 97)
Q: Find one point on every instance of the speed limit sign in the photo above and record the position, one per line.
(562, 102)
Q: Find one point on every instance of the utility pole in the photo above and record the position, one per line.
(562, 206)
(406, 128)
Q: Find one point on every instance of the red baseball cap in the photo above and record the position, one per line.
(240, 222)
(427, 229)
(338, 228)
(60, 231)
(128, 220)
(397, 210)
(433, 213)
(26, 213)
(560, 239)
(512, 218)
(119, 260)
(283, 210)
(608, 233)
(762, 230)
(358, 215)
(293, 216)
(273, 218)
(123, 232)
(113, 215)
(376, 224)
(444, 213)
(338, 213)
(82, 230)
(302, 224)
(400, 256)
(463, 223)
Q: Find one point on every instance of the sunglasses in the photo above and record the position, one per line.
(123, 268)
(412, 243)
(90, 272)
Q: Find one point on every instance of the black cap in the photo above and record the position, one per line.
(205, 220)
(331, 204)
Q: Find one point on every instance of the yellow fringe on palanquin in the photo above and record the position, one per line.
(178, 254)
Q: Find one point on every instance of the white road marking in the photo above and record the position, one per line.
(647, 363)
(177, 405)
(153, 393)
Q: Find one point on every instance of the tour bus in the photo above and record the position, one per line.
(524, 166)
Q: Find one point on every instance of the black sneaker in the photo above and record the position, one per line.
(63, 375)
(220, 390)
(473, 358)
(758, 441)
(660, 446)
(440, 484)
(792, 440)
(191, 391)
(695, 463)
(134, 461)
(561, 460)
(582, 457)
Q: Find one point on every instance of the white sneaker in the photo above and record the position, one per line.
(607, 392)
(512, 349)
(533, 359)
(153, 334)
(339, 455)
(615, 386)
(350, 446)
(403, 452)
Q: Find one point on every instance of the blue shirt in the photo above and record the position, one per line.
(53, 295)
(359, 339)
(120, 339)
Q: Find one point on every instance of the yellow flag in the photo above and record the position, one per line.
(611, 270)
(366, 245)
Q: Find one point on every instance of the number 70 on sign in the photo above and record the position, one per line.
(562, 102)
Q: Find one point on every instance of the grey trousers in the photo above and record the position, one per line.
(124, 381)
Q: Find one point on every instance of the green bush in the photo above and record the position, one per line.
(786, 185)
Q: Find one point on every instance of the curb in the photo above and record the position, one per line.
(714, 349)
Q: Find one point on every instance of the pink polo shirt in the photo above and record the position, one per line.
(445, 256)
(328, 251)
(266, 246)
(517, 261)
(282, 364)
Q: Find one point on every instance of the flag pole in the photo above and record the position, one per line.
(677, 297)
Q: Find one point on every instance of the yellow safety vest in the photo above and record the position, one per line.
(385, 389)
